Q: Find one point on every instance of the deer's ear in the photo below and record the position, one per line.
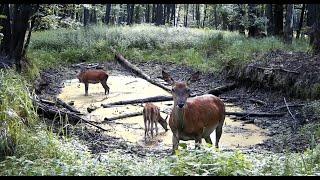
(166, 76)
(194, 77)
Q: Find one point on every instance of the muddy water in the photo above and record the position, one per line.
(235, 134)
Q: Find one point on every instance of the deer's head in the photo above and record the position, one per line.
(180, 90)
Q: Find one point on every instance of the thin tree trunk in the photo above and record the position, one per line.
(198, 15)
(147, 13)
(278, 18)
(242, 14)
(173, 14)
(215, 17)
(289, 24)
(159, 15)
(270, 16)
(204, 15)
(186, 15)
(178, 15)
(253, 29)
(301, 20)
(85, 16)
(108, 11)
(154, 12)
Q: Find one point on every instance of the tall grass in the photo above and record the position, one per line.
(16, 110)
(204, 49)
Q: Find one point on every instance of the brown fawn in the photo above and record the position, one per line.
(194, 118)
(93, 76)
(151, 115)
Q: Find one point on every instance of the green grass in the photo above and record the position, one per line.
(204, 49)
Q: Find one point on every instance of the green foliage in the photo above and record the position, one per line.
(16, 110)
(210, 162)
(205, 49)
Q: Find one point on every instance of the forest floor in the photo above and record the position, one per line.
(283, 132)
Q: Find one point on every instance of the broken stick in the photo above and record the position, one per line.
(136, 70)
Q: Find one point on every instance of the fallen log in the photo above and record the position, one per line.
(289, 105)
(52, 112)
(122, 116)
(136, 101)
(252, 114)
(221, 89)
(255, 114)
(275, 68)
(136, 70)
(67, 106)
(258, 101)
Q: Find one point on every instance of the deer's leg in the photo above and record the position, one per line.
(175, 143)
(218, 134)
(145, 128)
(156, 124)
(198, 142)
(151, 128)
(208, 140)
(149, 124)
(105, 86)
(86, 87)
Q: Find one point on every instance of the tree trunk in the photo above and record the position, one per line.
(15, 28)
(315, 31)
(130, 11)
(178, 15)
(186, 15)
(289, 25)
(301, 20)
(204, 15)
(198, 15)
(215, 17)
(159, 14)
(311, 14)
(6, 30)
(154, 12)
(93, 17)
(108, 11)
(242, 28)
(253, 29)
(270, 25)
(147, 13)
(278, 18)
(85, 16)
(173, 14)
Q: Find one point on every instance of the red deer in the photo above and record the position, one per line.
(151, 115)
(194, 118)
(93, 76)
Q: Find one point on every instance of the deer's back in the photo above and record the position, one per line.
(93, 76)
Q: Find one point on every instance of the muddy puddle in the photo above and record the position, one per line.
(235, 133)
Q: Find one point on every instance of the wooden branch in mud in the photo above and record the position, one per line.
(136, 70)
(136, 101)
(52, 112)
(255, 114)
(150, 99)
(289, 105)
(122, 116)
(280, 69)
(221, 89)
(67, 106)
(258, 101)
(252, 114)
